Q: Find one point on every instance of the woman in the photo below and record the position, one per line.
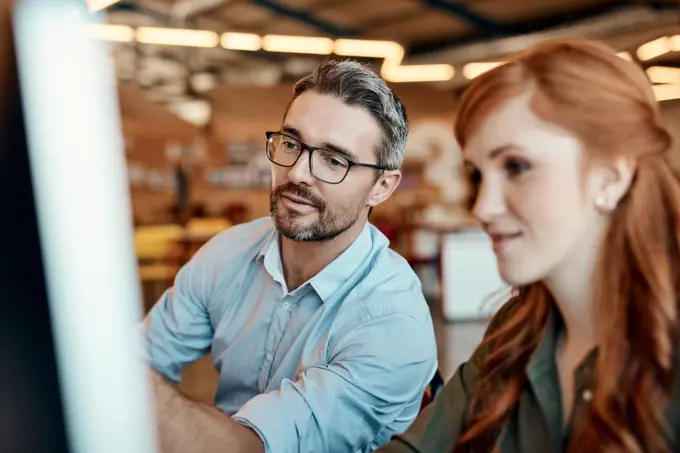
(566, 151)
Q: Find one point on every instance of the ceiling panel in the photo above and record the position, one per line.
(421, 27)
(630, 41)
(245, 15)
(516, 11)
(284, 26)
(213, 22)
(299, 4)
(408, 21)
(353, 13)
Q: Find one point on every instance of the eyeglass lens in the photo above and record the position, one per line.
(326, 165)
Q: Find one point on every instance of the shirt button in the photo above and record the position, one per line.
(270, 357)
(587, 395)
(286, 305)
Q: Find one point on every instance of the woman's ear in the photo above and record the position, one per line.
(617, 177)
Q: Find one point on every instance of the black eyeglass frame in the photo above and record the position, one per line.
(311, 149)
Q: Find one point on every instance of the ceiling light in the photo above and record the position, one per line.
(297, 44)
(666, 92)
(625, 56)
(674, 42)
(472, 70)
(241, 41)
(417, 73)
(664, 74)
(96, 5)
(366, 48)
(107, 32)
(177, 37)
(654, 48)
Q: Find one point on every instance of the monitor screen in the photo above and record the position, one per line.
(70, 309)
(29, 384)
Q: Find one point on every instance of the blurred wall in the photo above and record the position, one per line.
(670, 110)
(152, 134)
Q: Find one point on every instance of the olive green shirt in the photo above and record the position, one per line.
(535, 426)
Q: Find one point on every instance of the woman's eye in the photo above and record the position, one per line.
(516, 167)
(475, 177)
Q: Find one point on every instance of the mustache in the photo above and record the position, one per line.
(299, 191)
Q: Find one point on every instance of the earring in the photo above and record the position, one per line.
(602, 203)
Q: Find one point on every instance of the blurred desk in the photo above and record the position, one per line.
(163, 249)
(197, 232)
(154, 249)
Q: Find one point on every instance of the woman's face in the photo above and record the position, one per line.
(533, 199)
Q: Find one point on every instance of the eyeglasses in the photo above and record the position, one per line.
(325, 165)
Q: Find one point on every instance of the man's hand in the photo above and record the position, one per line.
(189, 426)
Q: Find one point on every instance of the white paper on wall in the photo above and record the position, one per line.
(472, 287)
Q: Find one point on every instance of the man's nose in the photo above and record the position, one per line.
(300, 173)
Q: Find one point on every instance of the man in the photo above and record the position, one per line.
(320, 333)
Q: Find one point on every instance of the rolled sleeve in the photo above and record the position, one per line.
(178, 329)
(370, 388)
(438, 428)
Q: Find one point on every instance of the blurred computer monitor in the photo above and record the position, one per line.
(70, 378)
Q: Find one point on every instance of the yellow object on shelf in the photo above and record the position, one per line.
(155, 242)
(206, 227)
(156, 272)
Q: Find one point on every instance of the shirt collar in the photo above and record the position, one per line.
(337, 272)
(267, 243)
(544, 355)
(543, 375)
(270, 253)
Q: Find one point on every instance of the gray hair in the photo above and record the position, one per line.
(357, 85)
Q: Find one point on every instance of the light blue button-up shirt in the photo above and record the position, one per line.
(337, 365)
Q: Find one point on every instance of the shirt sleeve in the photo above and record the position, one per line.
(178, 329)
(438, 428)
(377, 371)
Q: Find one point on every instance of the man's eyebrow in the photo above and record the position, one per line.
(340, 150)
(344, 152)
(290, 130)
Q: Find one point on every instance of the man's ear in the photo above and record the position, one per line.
(384, 187)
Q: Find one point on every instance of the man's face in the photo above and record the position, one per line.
(304, 208)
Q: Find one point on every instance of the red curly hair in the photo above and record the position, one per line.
(609, 105)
